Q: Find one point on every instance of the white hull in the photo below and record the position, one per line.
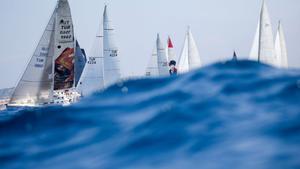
(60, 98)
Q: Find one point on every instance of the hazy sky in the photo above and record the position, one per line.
(219, 27)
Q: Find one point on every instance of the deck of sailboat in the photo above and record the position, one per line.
(4, 102)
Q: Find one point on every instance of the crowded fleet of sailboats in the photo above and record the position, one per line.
(60, 72)
(163, 61)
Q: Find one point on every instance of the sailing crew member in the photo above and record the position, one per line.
(173, 69)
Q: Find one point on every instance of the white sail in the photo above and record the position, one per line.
(190, 58)
(162, 60)
(183, 63)
(152, 67)
(64, 48)
(194, 57)
(112, 72)
(255, 46)
(280, 48)
(35, 86)
(92, 77)
(264, 44)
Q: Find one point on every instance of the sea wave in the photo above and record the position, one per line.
(227, 115)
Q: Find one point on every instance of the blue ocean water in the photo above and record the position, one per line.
(229, 115)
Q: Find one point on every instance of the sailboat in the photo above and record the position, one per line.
(190, 58)
(234, 57)
(49, 76)
(263, 45)
(162, 60)
(152, 67)
(102, 68)
(111, 65)
(280, 48)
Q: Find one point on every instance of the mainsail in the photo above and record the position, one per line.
(80, 60)
(64, 48)
(263, 45)
(92, 76)
(190, 58)
(112, 72)
(162, 60)
(152, 67)
(35, 86)
(280, 48)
